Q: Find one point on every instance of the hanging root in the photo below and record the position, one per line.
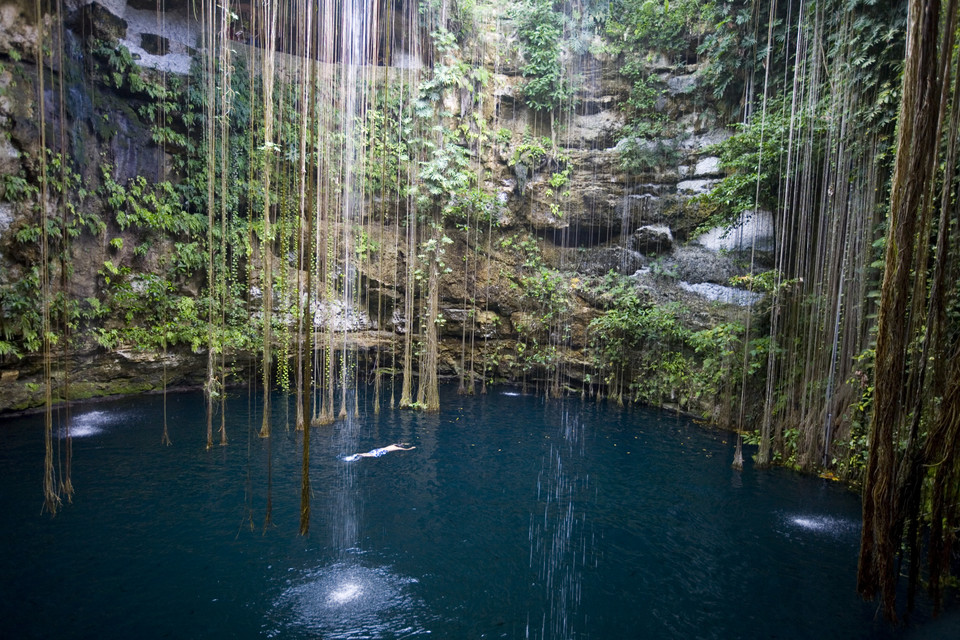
(738, 455)
(322, 420)
(66, 488)
(51, 499)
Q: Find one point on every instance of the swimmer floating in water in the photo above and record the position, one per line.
(376, 453)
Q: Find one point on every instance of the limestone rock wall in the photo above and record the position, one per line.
(603, 218)
(604, 211)
(98, 127)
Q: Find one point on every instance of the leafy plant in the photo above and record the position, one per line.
(540, 29)
(753, 158)
(534, 154)
(669, 28)
(16, 188)
(20, 321)
(647, 350)
(731, 46)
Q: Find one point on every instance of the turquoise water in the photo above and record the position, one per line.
(514, 517)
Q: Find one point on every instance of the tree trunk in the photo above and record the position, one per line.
(916, 151)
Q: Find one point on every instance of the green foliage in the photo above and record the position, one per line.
(730, 46)
(138, 218)
(147, 311)
(16, 187)
(550, 289)
(188, 258)
(540, 30)
(31, 234)
(444, 174)
(534, 154)
(718, 348)
(645, 140)
(754, 170)
(448, 182)
(153, 208)
(669, 28)
(662, 271)
(631, 327)
(116, 63)
(559, 179)
(863, 38)
(531, 152)
(435, 248)
(770, 281)
(20, 323)
(153, 310)
(649, 349)
(866, 44)
(188, 122)
(390, 127)
(557, 190)
(646, 91)
(642, 147)
(449, 73)
(638, 30)
(546, 297)
(474, 205)
(20, 294)
(463, 19)
(524, 249)
(365, 245)
(116, 68)
(163, 110)
(850, 451)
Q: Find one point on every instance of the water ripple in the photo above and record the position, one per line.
(350, 601)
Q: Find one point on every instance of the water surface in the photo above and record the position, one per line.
(513, 518)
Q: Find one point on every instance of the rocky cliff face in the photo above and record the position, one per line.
(601, 219)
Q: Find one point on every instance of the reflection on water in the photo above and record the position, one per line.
(349, 601)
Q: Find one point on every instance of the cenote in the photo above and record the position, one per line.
(514, 517)
(741, 211)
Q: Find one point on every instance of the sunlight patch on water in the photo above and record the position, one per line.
(822, 524)
(345, 593)
(89, 424)
(349, 601)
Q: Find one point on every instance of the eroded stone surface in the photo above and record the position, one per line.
(753, 231)
(599, 219)
(653, 239)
